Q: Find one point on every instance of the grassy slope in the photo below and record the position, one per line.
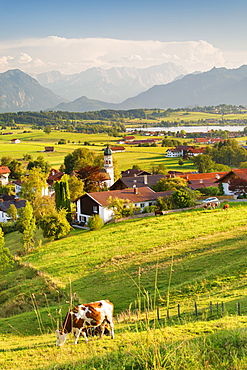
(209, 253)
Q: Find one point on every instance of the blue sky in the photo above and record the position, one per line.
(219, 24)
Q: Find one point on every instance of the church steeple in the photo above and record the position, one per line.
(108, 164)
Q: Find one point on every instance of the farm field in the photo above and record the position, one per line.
(180, 258)
(34, 143)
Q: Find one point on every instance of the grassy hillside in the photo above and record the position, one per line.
(196, 256)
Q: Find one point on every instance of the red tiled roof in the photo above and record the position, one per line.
(4, 169)
(198, 176)
(241, 173)
(144, 194)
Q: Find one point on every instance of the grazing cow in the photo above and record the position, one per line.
(211, 205)
(225, 206)
(159, 213)
(85, 316)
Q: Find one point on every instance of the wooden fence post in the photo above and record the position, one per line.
(239, 309)
(158, 313)
(179, 313)
(211, 308)
(196, 309)
(222, 308)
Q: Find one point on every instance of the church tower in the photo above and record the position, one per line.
(108, 164)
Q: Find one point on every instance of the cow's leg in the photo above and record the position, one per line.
(77, 333)
(111, 329)
(84, 334)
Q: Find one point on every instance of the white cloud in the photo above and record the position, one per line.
(75, 55)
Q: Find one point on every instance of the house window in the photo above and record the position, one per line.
(150, 203)
(95, 210)
(142, 205)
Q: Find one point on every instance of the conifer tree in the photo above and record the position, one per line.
(62, 196)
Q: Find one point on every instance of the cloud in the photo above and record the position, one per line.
(75, 55)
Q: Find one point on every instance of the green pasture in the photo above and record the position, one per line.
(34, 143)
(179, 258)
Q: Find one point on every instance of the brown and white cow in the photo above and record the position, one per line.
(89, 315)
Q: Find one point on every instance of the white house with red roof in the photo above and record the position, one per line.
(233, 174)
(91, 204)
(4, 175)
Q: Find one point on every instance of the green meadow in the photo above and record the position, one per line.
(146, 267)
(34, 143)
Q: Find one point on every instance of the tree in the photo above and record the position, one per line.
(181, 162)
(39, 162)
(183, 198)
(55, 226)
(76, 187)
(121, 207)
(81, 157)
(5, 256)
(62, 196)
(203, 163)
(169, 184)
(92, 177)
(163, 204)
(160, 168)
(26, 226)
(47, 129)
(12, 212)
(33, 184)
(42, 207)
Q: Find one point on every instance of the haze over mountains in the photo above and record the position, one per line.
(112, 85)
(20, 92)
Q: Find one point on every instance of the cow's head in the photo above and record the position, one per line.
(61, 337)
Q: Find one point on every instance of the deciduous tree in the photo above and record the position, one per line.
(26, 226)
(5, 256)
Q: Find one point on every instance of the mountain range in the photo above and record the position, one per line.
(112, 85)
(19, 92)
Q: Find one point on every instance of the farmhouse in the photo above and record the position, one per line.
(228, 176)
(202, 180)
(138, 181)
(179, 151)
(53, 176)
(15, 141)
(5, 204)
(134, 172)
(91, 204)
(4, 175)
(49, 149)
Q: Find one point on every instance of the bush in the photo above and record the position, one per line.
(210, 191)
(95, 222)
(8, 227)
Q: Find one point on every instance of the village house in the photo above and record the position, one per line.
(49, 149)
(4, 175)
(5, 204)
(134, 172)
(202, 180)
(228, 176)
(15, 141)
(139, 181)
(91, 204)
(179, 151)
